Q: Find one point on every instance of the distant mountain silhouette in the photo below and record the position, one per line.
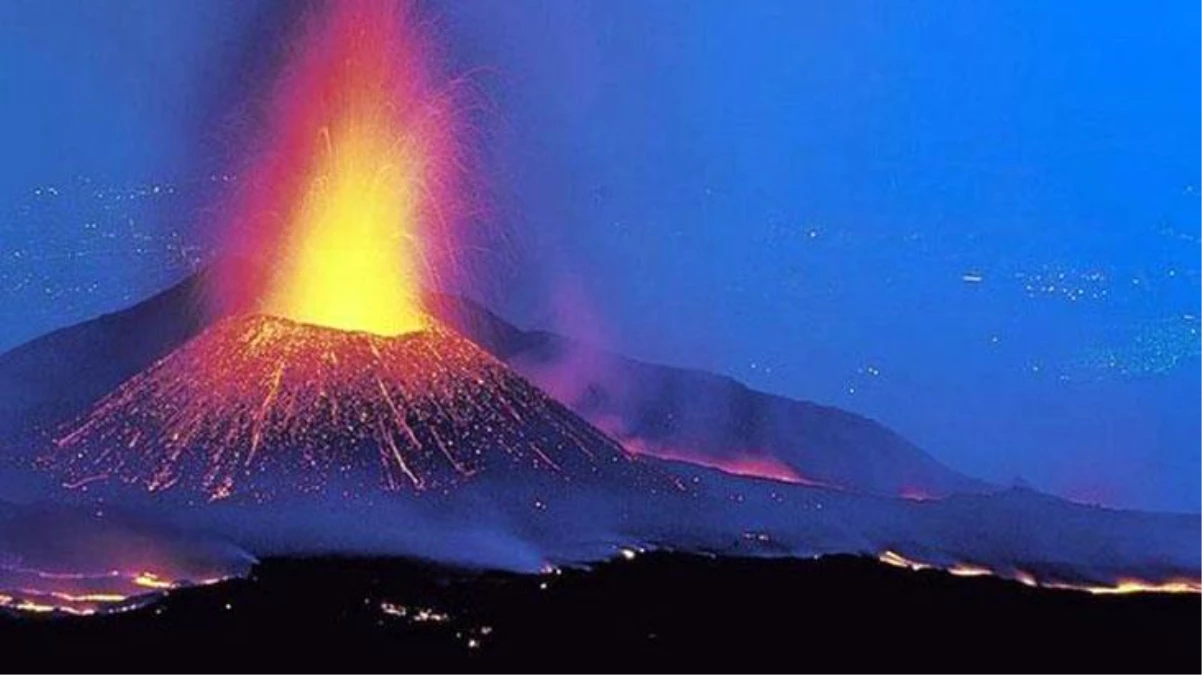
(51, 379)
(693, 415)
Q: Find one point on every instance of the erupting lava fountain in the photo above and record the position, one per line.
(338, 378)
(352, 197)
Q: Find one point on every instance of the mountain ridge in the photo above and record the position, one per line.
(664, 411)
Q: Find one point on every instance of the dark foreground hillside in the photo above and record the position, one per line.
(656, 612)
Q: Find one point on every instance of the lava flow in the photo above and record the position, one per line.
(83, 594)
(256, 398)
(1120, 586)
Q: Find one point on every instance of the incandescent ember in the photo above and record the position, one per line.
(257, 405)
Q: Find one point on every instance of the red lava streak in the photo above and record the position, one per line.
(755, 465)
(254, 399)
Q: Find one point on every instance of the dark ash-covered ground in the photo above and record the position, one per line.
(655, 612)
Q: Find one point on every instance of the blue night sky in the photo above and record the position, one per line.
(976, 222)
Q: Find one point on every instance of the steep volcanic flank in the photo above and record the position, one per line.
(258, 405)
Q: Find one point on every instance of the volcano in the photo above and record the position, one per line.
(287, 437)
(329, 375)
(257, 405)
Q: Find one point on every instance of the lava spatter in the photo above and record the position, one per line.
(258, 405)
(352, 198)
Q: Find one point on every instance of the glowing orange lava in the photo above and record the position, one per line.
(351, 259)
(82, 593)
(260, 405)
(750, 464)
(351, 196)
(1120, 586)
